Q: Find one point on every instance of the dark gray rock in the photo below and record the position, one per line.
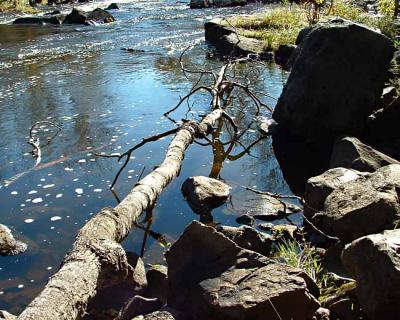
(199, 4)
(350, 152)
(76, 17)
(204, 194)
(283, 54)
(374, 261)
(248, 238)
(213, 278)
(112, 6)
(320, 187)
(246, 219)
(97, 16)
(363, 206)
(9, 246)
(303, 34)
(100, 16)
(56, 19)
(157, 282)
(344, 304)
(228, 43)
(139, 305)
(335, 83)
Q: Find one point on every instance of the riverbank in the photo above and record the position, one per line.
(281, 25)
(10, 6)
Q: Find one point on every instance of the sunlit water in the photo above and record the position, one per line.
(106, 100)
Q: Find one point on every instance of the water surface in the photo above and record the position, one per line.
(106, 100)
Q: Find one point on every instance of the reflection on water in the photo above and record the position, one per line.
(106, 100)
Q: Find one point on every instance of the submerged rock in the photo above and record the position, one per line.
(204, 194)
(374, 261)
(350, 152)
(334, 89)
(363, 206)
(9, 246)
(213, 278)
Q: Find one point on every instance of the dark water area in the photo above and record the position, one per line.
(106, 100)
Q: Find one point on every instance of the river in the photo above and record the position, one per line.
(106, 100)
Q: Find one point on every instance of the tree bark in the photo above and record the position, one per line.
(67, 293)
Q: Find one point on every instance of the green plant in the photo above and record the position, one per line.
(386, 7)
(305, 257)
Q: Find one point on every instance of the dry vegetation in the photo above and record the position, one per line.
(282, 24)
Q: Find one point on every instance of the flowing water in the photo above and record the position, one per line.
(106, 100)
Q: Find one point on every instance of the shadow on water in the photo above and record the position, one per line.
(298, 159)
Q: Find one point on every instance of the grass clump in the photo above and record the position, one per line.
(16, 6)
(305, 257)
(278, 26)
(282, 24)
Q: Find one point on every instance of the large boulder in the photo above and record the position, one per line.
(213, 278)
(363, 206)
(204, 194)
(9, 246)
(350, 152)
(318, 188)
(374, 261)
(336, 81)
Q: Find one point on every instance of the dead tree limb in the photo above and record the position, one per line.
(68, 292)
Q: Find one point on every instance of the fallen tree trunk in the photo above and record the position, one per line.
(97, 247)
